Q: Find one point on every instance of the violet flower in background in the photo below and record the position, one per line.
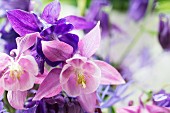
(13, 4)
(138, 9)
(10, 35)
(161, 99)
(164, 32)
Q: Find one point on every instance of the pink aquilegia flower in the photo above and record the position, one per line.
(80, 76)
(18, 74)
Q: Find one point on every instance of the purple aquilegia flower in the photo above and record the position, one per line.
(138, 9)
(18, 74)
(164, 32)
(54, 33)
(161, 99)
(80, 77)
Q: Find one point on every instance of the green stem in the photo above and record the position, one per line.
(130, 46)
(7, 106)
(138, 35)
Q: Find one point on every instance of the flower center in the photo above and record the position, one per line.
(81, 80)
(15, 70)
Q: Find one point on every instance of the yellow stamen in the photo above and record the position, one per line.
(15, 70)
(81, 80)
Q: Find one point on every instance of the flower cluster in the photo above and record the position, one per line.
(46, 40)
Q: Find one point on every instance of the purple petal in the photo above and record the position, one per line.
(79, 22)
(70, 39)
(56, 50)
(51, 12)
(91, 42)
(50, 86)
(17, 98)
(23, 22)
(109, 74)
(88, 102)
(60, 29)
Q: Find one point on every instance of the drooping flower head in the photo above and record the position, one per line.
(164, 32)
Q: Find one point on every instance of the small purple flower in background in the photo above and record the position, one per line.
(10, 35)
(13, 4)
(95, 13)
(161, 99)
(138, 9)
(164, 32)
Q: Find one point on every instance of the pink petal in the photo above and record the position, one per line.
(92, 75)
(1, 91)
(91, 42)
(26, 81)
(40, 77)
(29, 64)
(76, 60)
(71, 87)
(130, 109)
(66, 72)
(17, 98)
(10, 83)
(88, 102)
(25, 42)
(50, 86)
(5, 60)
(109, 74)
(56, 50)
(157, 109)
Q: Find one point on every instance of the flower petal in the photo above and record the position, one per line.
(90, 43)
(92, 75)
(157, 109)
(131, 109)
(51, 12)
(50, 86)
(71, 87)
(88, 102)
(70, 39)
(17, 98)
(25, 42)
(4, 62)
(23, 22)
(56, 50)
(29, 64)
(26, 81)
(10, 83)
(109, 74)
(1, 91)
(79, 22)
